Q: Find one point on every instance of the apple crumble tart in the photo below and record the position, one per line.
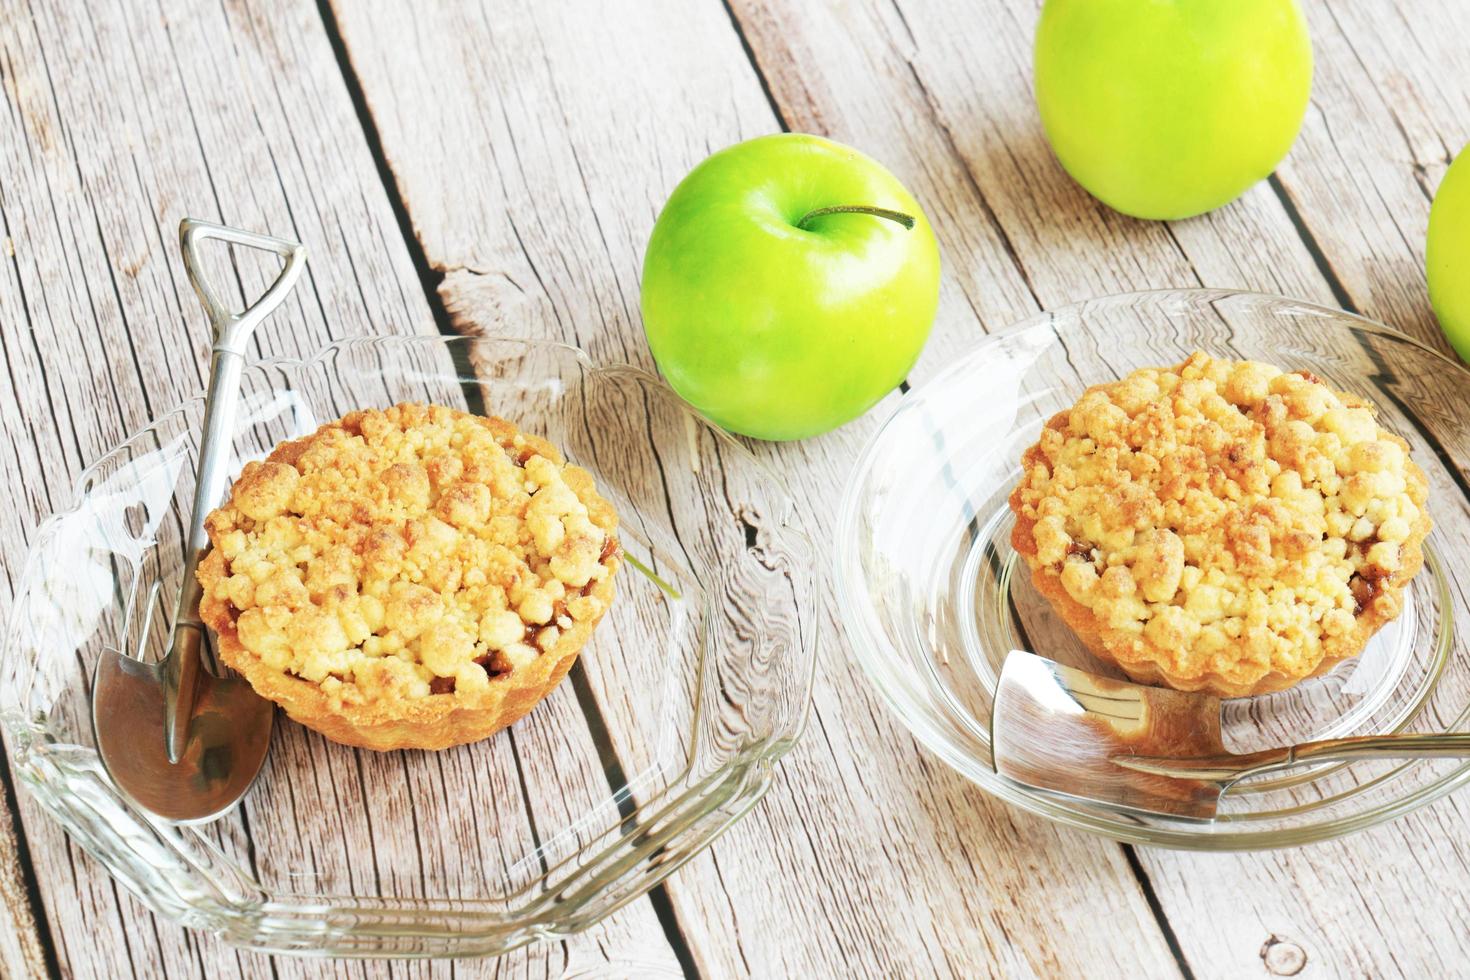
(411, 578)
(1221, 526)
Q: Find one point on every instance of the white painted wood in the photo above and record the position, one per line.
(1390, 106)
(117, 121)
(1344, 908)
(572, 125)
(532, 145)
(942, 95)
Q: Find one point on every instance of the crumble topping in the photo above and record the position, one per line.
(1224, 517)
(410, 552)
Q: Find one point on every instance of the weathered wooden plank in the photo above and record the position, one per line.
(1388, 112)
(971, 71)
(22, 952)
(962, 114)
(534, 194)
(117, 122)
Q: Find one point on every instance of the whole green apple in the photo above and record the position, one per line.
(1169, 108)
(1447, 254)
(789, 283)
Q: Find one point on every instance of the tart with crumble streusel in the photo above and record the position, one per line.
(1221, 526)
(411, 578)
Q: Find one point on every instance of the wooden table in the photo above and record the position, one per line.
(457, 165)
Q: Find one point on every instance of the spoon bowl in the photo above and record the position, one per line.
(1149, 749)
(224, 746)
(1061, 729)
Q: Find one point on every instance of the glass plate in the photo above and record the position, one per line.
(934, 596)
(696, 681)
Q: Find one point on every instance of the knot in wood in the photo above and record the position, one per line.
(1282, 957)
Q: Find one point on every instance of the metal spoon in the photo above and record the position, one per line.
(1146, 748)
(177, 739)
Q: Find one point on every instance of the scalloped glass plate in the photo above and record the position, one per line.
(934, 596)
(696, 681)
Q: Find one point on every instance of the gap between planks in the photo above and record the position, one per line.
(1140, 875)
(429, 280)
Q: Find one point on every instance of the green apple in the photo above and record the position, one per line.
(1169, 108)
(1447, 254)
(789, 283)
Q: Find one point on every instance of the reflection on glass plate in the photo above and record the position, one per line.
(696, 681)
(934, 596)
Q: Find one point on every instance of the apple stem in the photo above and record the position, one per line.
(906, 220)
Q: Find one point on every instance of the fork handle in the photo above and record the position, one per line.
(231, 332)
(1230, 768)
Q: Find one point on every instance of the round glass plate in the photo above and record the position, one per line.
(695, 682)
(934, 597)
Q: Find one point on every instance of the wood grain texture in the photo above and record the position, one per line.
(22, 950)
(117, 121)
(867, 858)
(970, 70)
(1390, 107)
(532, 145)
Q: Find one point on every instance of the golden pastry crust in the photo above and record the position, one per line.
(411, 578)
(1221, 526)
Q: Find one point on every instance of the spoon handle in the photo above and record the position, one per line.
(231, 333)
(1230, 768)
